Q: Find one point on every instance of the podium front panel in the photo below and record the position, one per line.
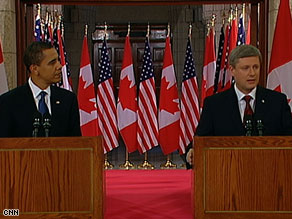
(52, 177)
(240, 177)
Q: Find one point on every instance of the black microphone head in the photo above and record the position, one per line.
(37, 118)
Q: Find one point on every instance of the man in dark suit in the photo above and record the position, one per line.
(20, 107)
(225, 113)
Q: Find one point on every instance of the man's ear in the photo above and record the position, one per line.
(33, 69)
(232, 70)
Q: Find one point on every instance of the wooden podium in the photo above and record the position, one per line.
(243, 177)
(52, 177)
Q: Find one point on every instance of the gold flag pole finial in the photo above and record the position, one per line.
(168, 30)
(213, 19)
(129, 29)
(208, 27)
(86, 29)
(148, 31)
(39, 9)
(190, 30)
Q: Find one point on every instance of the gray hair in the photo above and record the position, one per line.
(243, 51)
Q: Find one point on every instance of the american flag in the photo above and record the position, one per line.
(241, 32)
(219, 60)
(147, 107)
(37, 28)
(190, 113)
(106, 104)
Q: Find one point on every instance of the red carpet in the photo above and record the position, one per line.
(147, 194)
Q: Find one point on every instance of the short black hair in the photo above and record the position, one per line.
(243, 51)
(33, 55)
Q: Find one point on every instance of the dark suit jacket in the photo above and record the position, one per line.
(17, 110)
(221, 116)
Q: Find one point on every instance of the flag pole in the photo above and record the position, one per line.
(168, 164)
(127, 165)
(146, 165)
(107, 164)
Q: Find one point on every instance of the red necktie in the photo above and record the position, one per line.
(248, 110)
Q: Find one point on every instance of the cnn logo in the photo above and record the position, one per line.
(11, 212)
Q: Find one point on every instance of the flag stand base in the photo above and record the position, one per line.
(127, 165)
(146, 165)
(169, 164)
(107, 164)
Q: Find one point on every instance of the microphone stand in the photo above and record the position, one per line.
(248, 127)
(36, 124)
(47, 124)
(260, 127)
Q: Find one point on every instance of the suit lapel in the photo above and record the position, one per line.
(235, 113)
(29, 99)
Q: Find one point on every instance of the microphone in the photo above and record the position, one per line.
(260, 127)
(248, 125)
(47, 123)
(36, 123)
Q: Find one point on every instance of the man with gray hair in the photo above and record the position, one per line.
(246, 108)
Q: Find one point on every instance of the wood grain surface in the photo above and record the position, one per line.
(52, 177)
(243, 177)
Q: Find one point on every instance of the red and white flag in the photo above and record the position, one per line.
(169, 111)
(248, 32)
(190, 110)
(127, 101)
(3, 77)
(65, 81)
(280, 75)
(86, 95)
(147, 107)
(225, 73)
(233, 34)
(209, 68)
(106, 103)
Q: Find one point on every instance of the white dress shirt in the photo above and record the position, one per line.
(36, 94)
(241, 101)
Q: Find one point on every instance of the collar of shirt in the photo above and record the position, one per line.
(241, 102)
(36, 91)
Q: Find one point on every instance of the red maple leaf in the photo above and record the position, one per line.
(127, 95)
(84, 97)
(168, 97)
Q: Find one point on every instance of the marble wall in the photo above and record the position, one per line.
(8, 38)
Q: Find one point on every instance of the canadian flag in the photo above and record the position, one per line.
(3, 77)
(280, 75)
(209, 68)
(86, 95)
(169, 111)
(127, 101)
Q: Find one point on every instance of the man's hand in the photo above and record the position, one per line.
(190, 156)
